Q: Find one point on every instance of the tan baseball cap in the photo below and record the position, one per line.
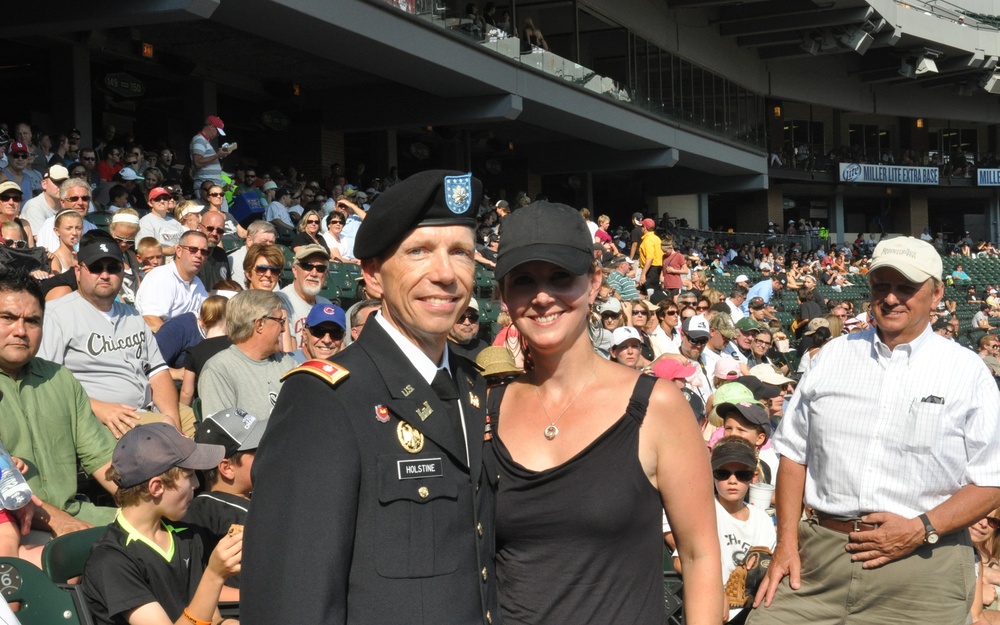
(917, 260)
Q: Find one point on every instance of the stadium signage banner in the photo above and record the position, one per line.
(887, 174)
(988, 177)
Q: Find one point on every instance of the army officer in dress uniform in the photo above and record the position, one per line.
(369, 502)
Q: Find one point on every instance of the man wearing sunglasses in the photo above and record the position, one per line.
(74, 194)
(173, 289)
(695, 334)
(308, 278)
(324, 331)
(216, 265)
(464, 336)
(108, 347)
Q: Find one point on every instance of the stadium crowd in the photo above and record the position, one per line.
(137, 290)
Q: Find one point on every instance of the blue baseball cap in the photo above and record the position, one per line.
(322, 313)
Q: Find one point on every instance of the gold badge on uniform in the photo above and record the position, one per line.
(474, 400)
(410, 438)
(407, 390)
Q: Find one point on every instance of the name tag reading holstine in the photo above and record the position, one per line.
(421, 467)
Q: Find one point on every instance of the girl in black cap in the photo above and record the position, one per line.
(588, 453)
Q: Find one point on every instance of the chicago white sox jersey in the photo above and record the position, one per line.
(113, 355)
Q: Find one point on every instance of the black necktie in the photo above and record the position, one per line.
(446, 390)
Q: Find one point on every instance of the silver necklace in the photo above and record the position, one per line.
(552, 431)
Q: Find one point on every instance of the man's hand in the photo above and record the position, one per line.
(57, 521)
(894, 538)
(119, 418)
(25, 514)
(784, 562)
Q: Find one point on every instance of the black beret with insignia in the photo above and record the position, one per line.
(438, 197)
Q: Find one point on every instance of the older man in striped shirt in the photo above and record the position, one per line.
(891, 441)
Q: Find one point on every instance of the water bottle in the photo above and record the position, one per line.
(14, 490)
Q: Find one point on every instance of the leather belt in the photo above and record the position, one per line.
(842, 525)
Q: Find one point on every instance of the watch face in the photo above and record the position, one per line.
(932, 538)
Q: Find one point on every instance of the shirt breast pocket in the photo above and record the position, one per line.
(925, 426)
(418, 517)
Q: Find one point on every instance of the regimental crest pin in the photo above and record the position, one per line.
(458, 193)
(382, 414)
(474, 400)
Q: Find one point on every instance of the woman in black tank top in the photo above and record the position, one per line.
(585, 453)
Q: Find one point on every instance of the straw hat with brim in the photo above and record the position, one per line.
(816, 324)
(496, 360)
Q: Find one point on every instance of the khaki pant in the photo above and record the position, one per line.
(931, 585)
(187, 419)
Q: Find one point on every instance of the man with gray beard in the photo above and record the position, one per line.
(309, 272)
(108, 346)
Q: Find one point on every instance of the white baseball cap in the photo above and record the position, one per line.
(623, 334)
(917, 260)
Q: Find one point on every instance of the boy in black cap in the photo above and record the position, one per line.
(228, 484)
(148, 567)
(740, 526)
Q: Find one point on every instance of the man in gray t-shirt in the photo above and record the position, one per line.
(247, 375)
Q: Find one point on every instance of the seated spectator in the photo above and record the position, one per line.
(358, 315)
(982, 319)
(681, 374)
(188, 214)
(309, 227)
(74, 194)
(216, 264)
(215, 341)
(248, 373)
(323, 335)
(184, 331)
(123, 228)
(309, 276)
(740, 526)
(172, 290)
(109, 348)
(149, 253)
(819, 333)
(47, 422)
(149, 567)
(626, 348)
(47, 203)
(989, 351)
(158, 224)
(277, 211)
(228, 485)
(258, 233)
(464, 335)
(959, 276)
(68, 227)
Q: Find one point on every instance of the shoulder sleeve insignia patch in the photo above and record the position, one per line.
(329, 372)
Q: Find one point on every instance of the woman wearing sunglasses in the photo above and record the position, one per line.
(588, 453)
(309, 231)
(986, 538)
(262, 267)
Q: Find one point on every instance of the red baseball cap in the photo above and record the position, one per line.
(649, 223)
(17, 148)
(157, 192)
(212, 120)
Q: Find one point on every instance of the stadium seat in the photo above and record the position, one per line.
(63, 557)
(42, 602)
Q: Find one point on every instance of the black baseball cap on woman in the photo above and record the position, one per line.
(554, 233)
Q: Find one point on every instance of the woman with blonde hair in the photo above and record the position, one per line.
(188, 214)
